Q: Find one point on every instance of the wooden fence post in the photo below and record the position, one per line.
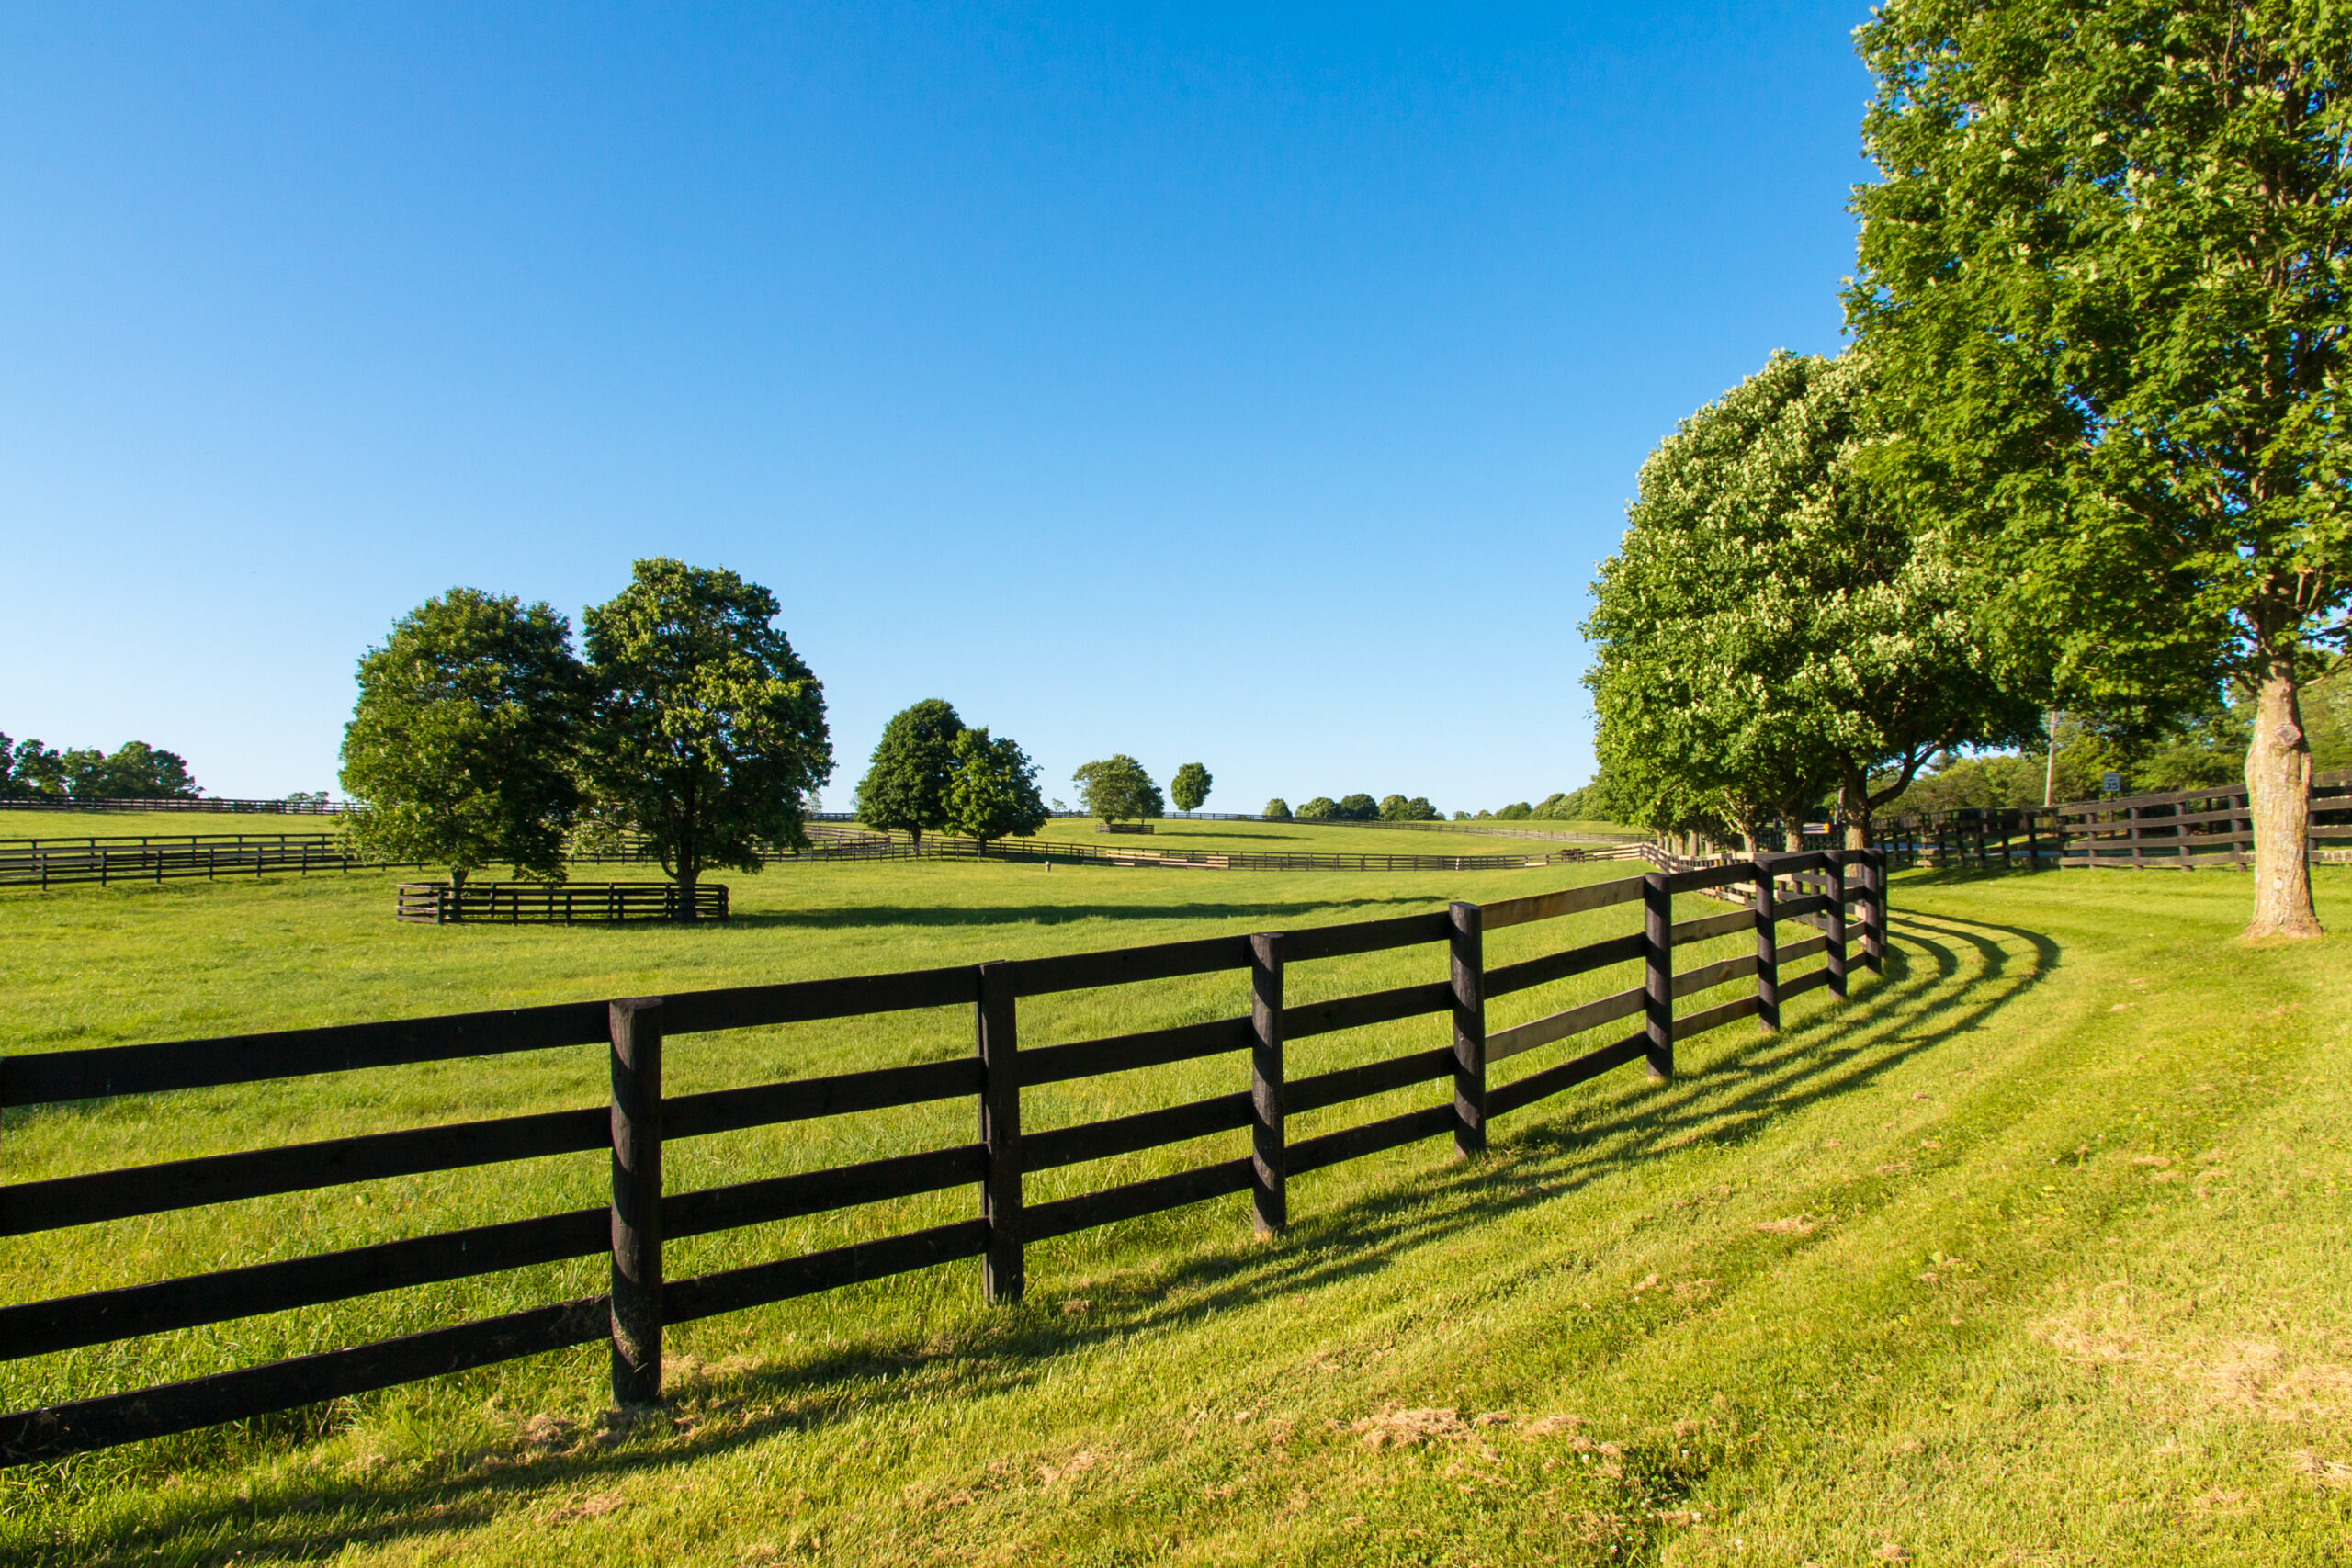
(1467, 947)
(1268, 1175)
(1768, 950)
(1835, 959)
(1874, 909)
(1657, 985)
(1002, 1273)
(637, 1200)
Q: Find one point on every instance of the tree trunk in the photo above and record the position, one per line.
(688, 873)
(1854, 810)
(2279, 781)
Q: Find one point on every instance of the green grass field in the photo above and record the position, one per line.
(2036, 1253)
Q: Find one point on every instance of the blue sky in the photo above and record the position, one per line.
(1256, 387)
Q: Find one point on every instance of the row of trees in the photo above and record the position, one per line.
(1354, 809)
(134, 771)
(931, 773)
(2085, 453)
(480, 739)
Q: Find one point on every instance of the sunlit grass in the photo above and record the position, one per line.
(2038, 1250)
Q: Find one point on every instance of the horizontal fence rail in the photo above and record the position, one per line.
(1818, 889)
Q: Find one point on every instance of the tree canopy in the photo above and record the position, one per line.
(460, 749)
(1398, 808)
(1277, 810)
(709, 731)
(2103, 274)
(1190, 787)
(1322, 808)
(1772, 628)
(906, 784)
(1116, 789)
(992, 789)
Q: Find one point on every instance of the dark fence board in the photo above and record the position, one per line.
(1123, 1052)
(58, 1430)
(1126, 965)
(800, 1099)
(1042, 1222)
(1709, 975)
(65, 1323)
(50, 1077)
(1126, 1134)
(1567, 901)
(1526, 1091)
(1363, 936)
(1320, 1090)
(792, 1196)
(1715, 1017)
(1507, 1043)
(757, 1284)
(1519, 976)
(28, 1206)
(1803, 983)
(1357, 1012)
(1389, 1132)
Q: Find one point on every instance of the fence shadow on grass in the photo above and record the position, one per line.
(1925, 1000)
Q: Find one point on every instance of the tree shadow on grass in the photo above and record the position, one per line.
(1923, 1002)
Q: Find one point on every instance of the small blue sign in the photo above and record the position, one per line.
(2111, 784)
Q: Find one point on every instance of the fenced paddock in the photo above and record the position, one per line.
(2193, 830)
(558, 903)
(1017, 1168)
(155, 857)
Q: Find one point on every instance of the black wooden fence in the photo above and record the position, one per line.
(551, 903)
(154, 857)
(641, 1116)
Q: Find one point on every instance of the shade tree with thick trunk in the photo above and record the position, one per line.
(709, 731)
(2104, 276)
(1116, 789)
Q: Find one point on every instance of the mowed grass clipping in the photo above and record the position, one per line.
(2035, 1252)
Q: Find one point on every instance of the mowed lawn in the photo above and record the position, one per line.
(2034, 1253)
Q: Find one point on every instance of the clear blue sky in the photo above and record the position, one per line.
(1257, 386)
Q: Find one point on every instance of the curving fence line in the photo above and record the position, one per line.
(643, 1115)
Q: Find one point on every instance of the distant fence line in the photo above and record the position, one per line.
(642, 1114)
(202, 802)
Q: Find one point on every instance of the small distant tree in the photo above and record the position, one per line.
(1359, 808)
(1418, 809)
(1116, 789)
(1277, 810)
(1518, 811)
(1322, 808)
(992, 790)
(1190, 787)
(709, 732)
(905, 785)
(460, 750)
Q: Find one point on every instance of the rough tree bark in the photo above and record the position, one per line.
(2278, 787)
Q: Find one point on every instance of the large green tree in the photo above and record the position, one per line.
(1190, 786)
(992, 791)
(1116, 789)
(2104, 270)
(1772, 629)
(460, 750)
(709, 732)
(904, 786)
(133, 771)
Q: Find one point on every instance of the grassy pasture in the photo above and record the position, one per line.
(2039, 1252)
